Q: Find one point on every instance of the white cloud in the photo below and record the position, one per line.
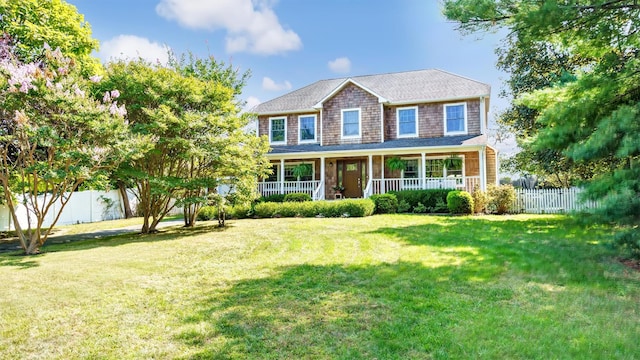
(251, 102)
(341, 65)
(133, 47)
(269, 84)
(251, 26)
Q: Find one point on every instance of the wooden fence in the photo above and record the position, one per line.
(550, 201)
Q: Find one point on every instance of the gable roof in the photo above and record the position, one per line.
(394, 88)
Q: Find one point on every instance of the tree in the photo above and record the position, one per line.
(194, 120)
(32, 23)
(53, 137)
(592, 113)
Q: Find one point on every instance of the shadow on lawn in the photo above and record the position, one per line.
(399, 310)
(380, 311)
(107, 238)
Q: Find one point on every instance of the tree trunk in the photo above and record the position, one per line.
(128, 214)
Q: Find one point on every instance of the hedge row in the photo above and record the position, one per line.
(342, 208)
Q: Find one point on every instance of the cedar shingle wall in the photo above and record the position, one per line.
(431, 119)
(491, 166)
(292, 126)
(351, 97)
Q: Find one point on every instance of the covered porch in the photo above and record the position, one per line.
(331, 176)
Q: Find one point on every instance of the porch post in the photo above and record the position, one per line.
(423, 171)
(321, 195)
(282, 176)
(383, 189)
(370, 170)
(483, 170)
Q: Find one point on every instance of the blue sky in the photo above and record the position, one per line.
(288, 44)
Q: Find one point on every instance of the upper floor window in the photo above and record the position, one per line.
(407, 121)
(307, 127)
(455, 119)
(278, 130)
(351, 123)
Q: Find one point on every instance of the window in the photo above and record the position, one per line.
(434, 168)
(351, 123)
(278, 130)
(307, 125)
(289, 176)
(406, 121)
(455, 119)
(411, 170)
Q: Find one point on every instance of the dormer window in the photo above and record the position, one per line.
(351, 123)
(278, 130)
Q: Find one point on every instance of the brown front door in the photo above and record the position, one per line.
(352, 177)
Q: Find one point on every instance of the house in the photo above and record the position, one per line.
(430, 125)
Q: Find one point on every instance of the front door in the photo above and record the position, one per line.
(352, 177)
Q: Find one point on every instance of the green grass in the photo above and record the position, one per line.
(385, 287)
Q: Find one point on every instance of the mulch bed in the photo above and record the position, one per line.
(631, 263)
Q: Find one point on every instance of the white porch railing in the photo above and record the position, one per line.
(276, 187)
(380, 186)
(318, 193)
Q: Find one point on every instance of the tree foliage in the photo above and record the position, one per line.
(32, 23)
(190, 110)
(591, 113)
(53, 137)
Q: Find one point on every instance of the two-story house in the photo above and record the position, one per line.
(347, 132)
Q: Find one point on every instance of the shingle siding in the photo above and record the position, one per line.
(351, 97)
(292, 126)
(431, 119)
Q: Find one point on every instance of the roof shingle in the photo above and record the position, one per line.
(397, 88)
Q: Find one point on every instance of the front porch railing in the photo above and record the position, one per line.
(276, 187)
(381, 186)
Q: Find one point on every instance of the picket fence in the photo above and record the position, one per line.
(551, 201)
(84, 207)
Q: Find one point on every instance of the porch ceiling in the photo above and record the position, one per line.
(447, 143)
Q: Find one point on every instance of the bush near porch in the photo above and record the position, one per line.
(342, 208)
(430, 200)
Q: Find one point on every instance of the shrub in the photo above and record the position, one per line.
(460, 202)
(434, 200)
(239, 211)
(207, 213)
(349, 207)
(272, 198)
(501, 198)
(385, 203)
(420, 208)
(629, 242)
(403, 206)
(441, 207)
(297, 197)
(480, 200)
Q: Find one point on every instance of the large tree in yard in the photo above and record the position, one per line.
(53, 137)
(591, 113)
(192, 114)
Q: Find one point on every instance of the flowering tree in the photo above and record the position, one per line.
(53, 136)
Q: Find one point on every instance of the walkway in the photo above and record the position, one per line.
(12, 244)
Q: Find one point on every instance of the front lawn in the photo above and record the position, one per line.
(385, 287)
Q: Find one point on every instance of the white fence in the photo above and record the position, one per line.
(84, 207)
(550, 201)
